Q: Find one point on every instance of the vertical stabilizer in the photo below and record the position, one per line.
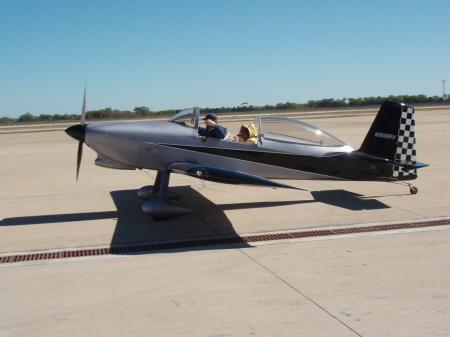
(392, 136)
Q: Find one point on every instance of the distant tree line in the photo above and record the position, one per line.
(332, 103)
(145, 112)
(107, 113)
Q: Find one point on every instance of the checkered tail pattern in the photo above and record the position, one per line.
(406, 144)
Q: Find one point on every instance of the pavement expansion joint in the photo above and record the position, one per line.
(141, 248)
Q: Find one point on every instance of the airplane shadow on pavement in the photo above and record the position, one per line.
(134, 226)
(348, 200)
(57, 218)
(130, 216)
(209, 220)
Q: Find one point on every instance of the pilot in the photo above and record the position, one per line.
(247, 134)
(212, 128)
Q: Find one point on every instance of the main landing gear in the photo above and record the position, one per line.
(158, 196)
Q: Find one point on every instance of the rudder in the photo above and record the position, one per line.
(392, 136)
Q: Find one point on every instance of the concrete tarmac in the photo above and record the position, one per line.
(373, 284)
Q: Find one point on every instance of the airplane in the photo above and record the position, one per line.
(286, 148)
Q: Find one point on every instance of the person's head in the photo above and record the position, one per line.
(211, 116)
(244, 133)
(210, 120)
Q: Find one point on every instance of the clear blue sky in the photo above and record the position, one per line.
(181, 53)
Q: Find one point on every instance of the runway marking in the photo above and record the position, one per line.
(222, 241)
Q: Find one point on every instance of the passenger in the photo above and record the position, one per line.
(212, 128)
(247, 134)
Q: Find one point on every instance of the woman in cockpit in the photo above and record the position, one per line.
(247, 134)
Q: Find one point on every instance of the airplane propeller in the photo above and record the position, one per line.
(78, 132)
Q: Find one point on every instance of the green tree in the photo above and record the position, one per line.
(6, 120)
(27, 118)
(327, 102)
(43, 117)
(142, 111)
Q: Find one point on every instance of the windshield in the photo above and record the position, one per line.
(188, 116)
(290, 130)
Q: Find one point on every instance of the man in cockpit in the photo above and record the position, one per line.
(212, 128)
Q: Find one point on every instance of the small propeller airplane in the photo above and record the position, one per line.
(286, 149)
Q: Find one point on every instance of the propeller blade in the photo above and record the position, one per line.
(78, 132)
(79, 155)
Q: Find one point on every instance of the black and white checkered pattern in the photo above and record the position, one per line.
(406, 143)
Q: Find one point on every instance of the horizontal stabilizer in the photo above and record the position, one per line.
(416, 165)
(403, 164)
(222, 175)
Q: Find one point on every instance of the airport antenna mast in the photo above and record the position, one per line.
(444, 97)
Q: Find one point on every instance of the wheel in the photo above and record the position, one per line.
(413, 190)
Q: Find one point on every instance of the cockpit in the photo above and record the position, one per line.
(273, 129)
(289, 130)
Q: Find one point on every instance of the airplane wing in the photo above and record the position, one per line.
(221, 175)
